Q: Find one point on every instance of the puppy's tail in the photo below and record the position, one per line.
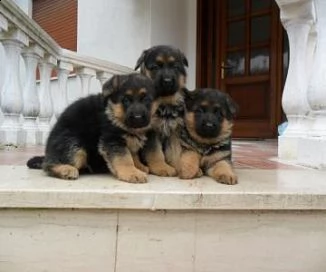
(35, 162)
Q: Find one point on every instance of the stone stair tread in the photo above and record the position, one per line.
(302, 189)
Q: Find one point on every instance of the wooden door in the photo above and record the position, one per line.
(244, 38)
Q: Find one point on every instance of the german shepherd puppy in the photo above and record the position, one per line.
(166, 66)
(103, 132)
(206, 136)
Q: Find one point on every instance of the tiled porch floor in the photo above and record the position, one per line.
(246, 154)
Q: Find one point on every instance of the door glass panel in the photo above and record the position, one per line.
(235, 63)
(236, 7)
(259, 61)
(257, 5)
(260, 29)
(236, 33)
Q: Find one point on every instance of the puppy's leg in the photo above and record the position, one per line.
(223, 172)
(154, 157)
(75, 158)
(189, 165)
(139, 164)
(173, 151)
(121, 164)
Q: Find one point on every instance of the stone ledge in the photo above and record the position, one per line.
(258, 190)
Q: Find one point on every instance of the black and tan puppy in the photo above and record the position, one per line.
(206, 136)
(104, 131)
(166, 66)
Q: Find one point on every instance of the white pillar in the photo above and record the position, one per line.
(313, 150)
(85, 75)
(31, 103)
(60, 100)
(3, 23)
(46, 104)
(11, 94)
(298, 19)
(103, 77)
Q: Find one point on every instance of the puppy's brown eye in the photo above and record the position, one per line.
(126, 101)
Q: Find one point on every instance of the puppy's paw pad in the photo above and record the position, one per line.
(189, 172)
(226, 178)
(164, 170)
(133, 176)
(143, 168)
(66, 172)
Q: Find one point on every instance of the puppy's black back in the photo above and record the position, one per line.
(78, 126)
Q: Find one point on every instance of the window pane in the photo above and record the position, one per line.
(236, 33)
(236, 7)
(260, 29)
(236, 63)
(257, 5)
(259, 61)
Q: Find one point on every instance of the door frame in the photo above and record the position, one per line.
(209, 55)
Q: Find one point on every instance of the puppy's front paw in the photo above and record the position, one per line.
(223, 173)
(226, 178)
(133, 176)
(142, 168)
(163, 170)
(64, 171)
(187, 171)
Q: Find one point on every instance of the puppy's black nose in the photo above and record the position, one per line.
(209, 124)
(167, 82)
(137, 117)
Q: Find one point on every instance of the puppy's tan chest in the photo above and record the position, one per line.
(134, 143)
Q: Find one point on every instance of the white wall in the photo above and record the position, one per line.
(114, 30)
(119, 30)
(174, 22)
(25, 5)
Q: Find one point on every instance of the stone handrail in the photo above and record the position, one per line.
(20, 36)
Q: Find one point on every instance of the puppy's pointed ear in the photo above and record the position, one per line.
(189, 97)
(187, 94)
(183, 59)
(232, 107)
(141, 59)
(111, 85)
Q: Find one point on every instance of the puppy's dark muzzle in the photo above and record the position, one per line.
(138, 119)
(168, 83)
(208, 128)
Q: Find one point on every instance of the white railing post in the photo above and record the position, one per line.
(103, 77)
(60, 101)
(298, 19)
(85, 75)
(31, 103)
(3, 23)
(46, 104)
(313, 148)
(11, 94)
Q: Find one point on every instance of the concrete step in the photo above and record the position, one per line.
(273, 220)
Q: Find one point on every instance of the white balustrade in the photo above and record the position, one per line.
(61, 98)
(317, 86)
(313, 148)
(31, 103)
(45, 98)
(11, 93)
(3, 23)
(103, 77)
(298, 19)
(85, 75)
(21, 36)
